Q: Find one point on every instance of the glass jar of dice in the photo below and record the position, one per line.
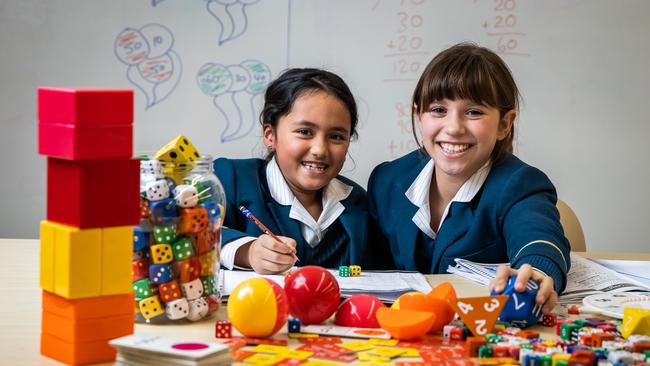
(176, 245)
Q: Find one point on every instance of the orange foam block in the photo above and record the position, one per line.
(79, 353)
(77, 331)
(441, 296)
(405, 324)
(421, 302)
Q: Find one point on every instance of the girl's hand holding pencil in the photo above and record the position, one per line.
(269, 253)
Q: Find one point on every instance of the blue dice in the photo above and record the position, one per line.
(163, 212)
(293, 325)
(160, 273)
(520, 309)
(140, 238)
(213, 210)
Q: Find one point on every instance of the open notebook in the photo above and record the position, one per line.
(385, 285)
(586, 277)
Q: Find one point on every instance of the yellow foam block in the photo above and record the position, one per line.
(117, 252)
(635, 321)
(78, 263)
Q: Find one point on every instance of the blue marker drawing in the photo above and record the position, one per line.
(156, 2)
(231, 16)
(234, 89)
(153, 66)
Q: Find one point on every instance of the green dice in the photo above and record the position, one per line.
(142, 289)
(164, 234)
(182, 249)
(344, 271)
(208, 285)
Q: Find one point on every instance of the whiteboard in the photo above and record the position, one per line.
(201, 67)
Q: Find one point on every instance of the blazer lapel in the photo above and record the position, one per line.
(406, 236)
(354, 223)
(455, 225)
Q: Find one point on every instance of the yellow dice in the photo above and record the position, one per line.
(161, 253)
(206, 261)
(355, 271)
(150, 307)
(179, 150)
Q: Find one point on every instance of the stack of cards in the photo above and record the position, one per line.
(140, 349)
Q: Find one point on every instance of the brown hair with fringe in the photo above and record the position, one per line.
(468, 71)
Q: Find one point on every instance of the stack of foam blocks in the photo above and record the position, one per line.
(87, 238)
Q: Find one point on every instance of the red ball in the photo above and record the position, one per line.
(359, 311)
(313, 294)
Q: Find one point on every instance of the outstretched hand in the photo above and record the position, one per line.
(546, 295)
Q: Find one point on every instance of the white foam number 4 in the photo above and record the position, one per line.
(494, 303)
(465, 308)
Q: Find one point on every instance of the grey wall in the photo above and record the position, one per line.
(582, 67)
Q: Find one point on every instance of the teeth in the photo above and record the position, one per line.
(320, 167)
(454, 148)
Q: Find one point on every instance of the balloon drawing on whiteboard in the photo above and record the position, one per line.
(232, 18)
(153, 66)
(234, 89)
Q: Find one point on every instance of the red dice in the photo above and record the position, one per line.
(187, 270)
(223, 329)
(549, 320)
(145, 210)
(140, 268)
(203, 241)
(169, 291)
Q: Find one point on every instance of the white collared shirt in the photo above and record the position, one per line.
(418, 194)
(312, 230)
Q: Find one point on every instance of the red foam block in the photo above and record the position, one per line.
(91, 194)
(84, 142)
(85, 106)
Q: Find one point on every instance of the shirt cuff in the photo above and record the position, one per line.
(229, 250)
(547, 267)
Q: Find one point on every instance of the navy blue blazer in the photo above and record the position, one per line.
(512, 218)
(245, 183)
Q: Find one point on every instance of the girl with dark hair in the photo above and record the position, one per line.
(463, 194)
(308, 120)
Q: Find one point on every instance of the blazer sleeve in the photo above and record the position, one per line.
(225, 171)
(381, 256)
(531, 225)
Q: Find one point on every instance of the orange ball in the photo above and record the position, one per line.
(258, 307)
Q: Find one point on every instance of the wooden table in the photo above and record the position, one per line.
(21, 309)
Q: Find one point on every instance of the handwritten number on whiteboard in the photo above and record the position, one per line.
(504, 5)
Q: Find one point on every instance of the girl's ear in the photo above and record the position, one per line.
(416, 116)
(506, 123)
(269, 136)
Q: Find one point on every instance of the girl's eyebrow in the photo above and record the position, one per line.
(306, 123)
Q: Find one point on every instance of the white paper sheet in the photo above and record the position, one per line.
(385, 285)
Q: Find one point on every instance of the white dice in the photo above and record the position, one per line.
(198, 309)
(151, 167)
(193, 289)
(186, 196)
(157, 190)
(177, 309)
